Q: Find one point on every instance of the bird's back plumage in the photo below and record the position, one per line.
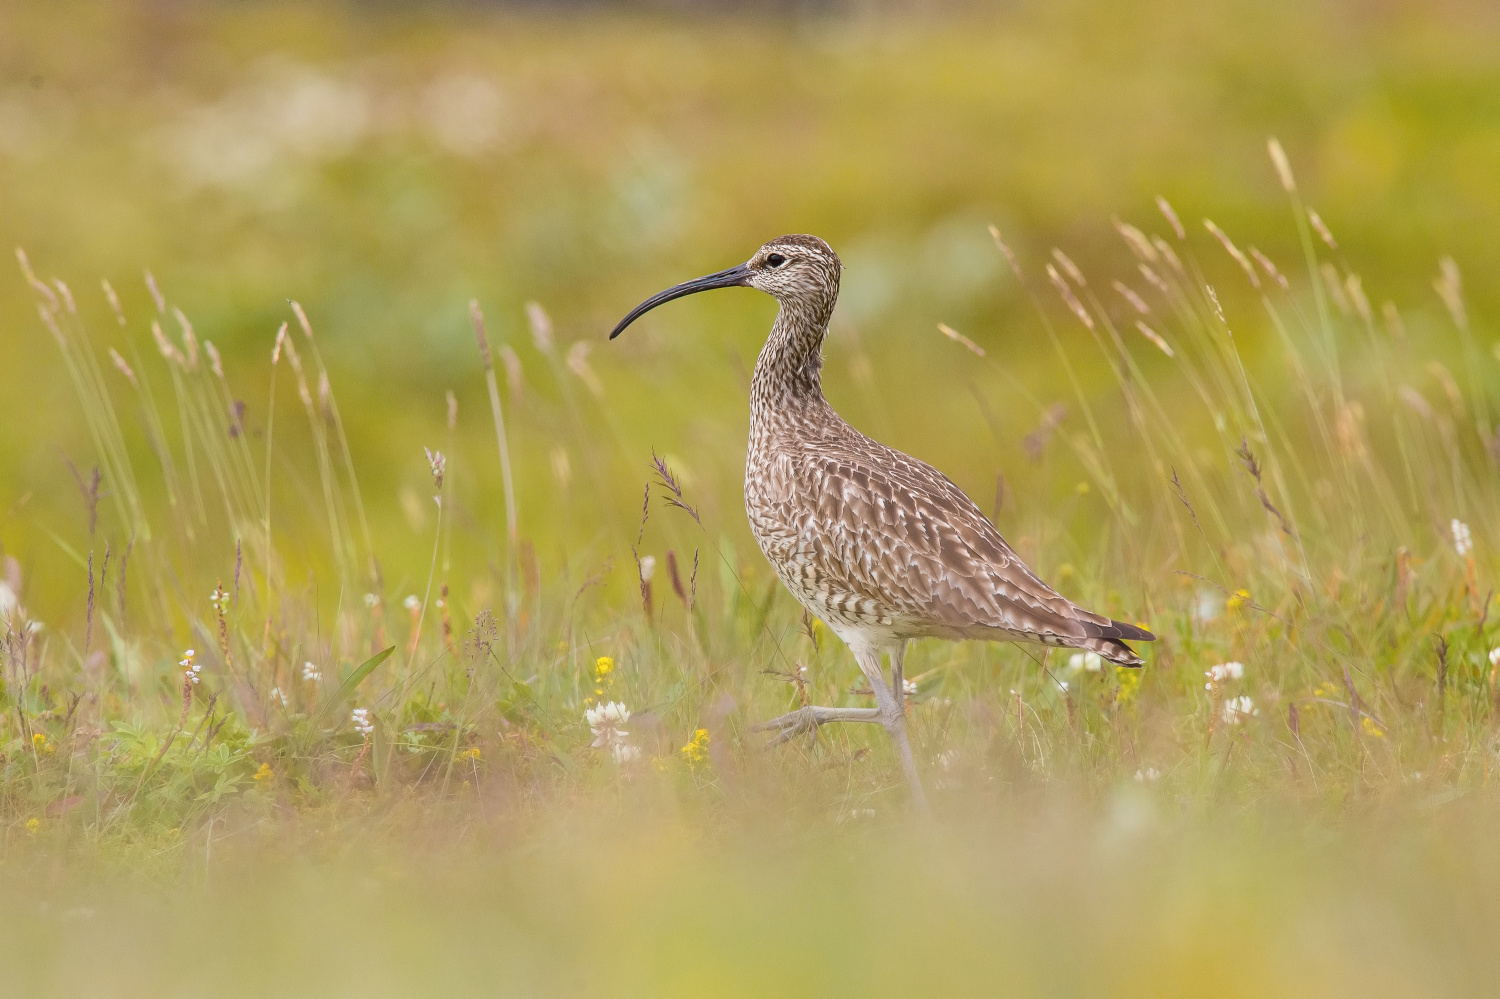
(868, 537)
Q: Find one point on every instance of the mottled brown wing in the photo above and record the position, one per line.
(901, 534)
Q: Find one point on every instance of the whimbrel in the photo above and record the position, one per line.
(880, 546)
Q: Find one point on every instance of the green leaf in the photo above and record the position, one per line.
(346, 689)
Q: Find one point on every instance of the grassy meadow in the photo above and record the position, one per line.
(330, 523)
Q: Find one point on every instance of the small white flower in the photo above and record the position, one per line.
(1239, 708)
(277, 695)
(1495, 657)
(371, 600)
(607, 722)
(1149, 774)
(648, 568)
(1063, 684)
(1208, 606)
(190, 668)
(1463, 539)
(1092, 663)
(1225, 671)
(362, 723)
(8, 600)
(412, 602)
(908, 687)
(310, 673)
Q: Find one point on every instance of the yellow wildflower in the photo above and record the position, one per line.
(1236, 600)
(472, 753)
(264, 773)
(697, 748)
(603, 667)
(32, 825)
(1370, 728)
(1130, 683)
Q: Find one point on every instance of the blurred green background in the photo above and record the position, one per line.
(385, 163)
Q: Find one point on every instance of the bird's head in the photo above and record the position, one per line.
(800, 272)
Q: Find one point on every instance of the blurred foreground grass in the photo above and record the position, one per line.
(1141, 894)
(1272, 443)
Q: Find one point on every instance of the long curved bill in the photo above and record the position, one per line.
(734, 277)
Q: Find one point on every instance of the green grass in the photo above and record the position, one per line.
(1279, 492)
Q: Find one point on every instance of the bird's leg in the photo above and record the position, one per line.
(809, 718)
(898, 676)
(893, 718)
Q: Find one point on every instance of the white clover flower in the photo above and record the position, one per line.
(1236, 709)
(607, 723)
(908, 687)
(1088, 662)
(362, 721)
(1148, 775)
(1463, 539)
(1224, 671)
(310, 673)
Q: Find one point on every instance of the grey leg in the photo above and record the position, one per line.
(809, 718)
(898, 675)
(893, 718)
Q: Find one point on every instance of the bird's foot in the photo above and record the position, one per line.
(807, 719)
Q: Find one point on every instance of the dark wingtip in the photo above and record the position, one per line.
(1119, 631)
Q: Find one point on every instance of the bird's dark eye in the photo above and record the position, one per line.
(775, 260)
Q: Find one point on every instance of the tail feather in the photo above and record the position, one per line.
(1107, 641)
(1113, 650)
